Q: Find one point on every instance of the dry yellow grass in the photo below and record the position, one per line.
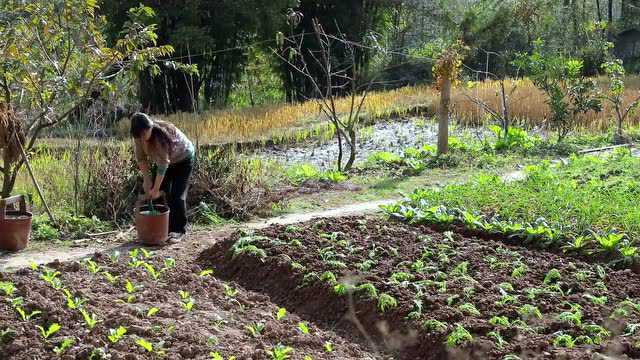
(528, 105)
(303, 120)
(280, 122)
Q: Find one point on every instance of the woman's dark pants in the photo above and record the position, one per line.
(176, 185)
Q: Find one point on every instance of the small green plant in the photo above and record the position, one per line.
(90, 319)
(386, 302)
(114, 256)
(459, 336)
(434, 325)
(206, 273)
(229, 291)
(155, 274)
(27, 316)
(499, 321)
(519, 271)
(255, 329)
(368, 289)
(73, 303)
(116, 335)
(186, 300)
(281, 314)
(146, 253)
(527, 311)
(7, 288)
(110, 277)
(130, 287)
(152, 311)
(597, 300)
(499, 340)
(461, 269)
(342, 289)
(329, 277)
(52, 329)
(469, 309)
(144, 344)
(303, 328)
(552, 276)
(51, 277)
(169, 263)
(65, 345)
(574, 316)
(246, 245)
(564, 340)
(280, 352)
(401, 277)
(92, 266)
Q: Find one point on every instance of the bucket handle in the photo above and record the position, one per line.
(141, 202)
(20, 199)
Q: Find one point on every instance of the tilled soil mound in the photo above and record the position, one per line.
(153, 310)
(437, 295)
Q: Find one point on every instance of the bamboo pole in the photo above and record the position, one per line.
(33, 178)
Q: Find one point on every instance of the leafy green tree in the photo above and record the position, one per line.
(568, 92)
(615, 95)
(212, 34)
(54, 58)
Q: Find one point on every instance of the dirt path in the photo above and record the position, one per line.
(12, 262)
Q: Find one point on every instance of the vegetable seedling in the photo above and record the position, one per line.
(116, 335)
(229, 291)
(144, 344)
(459, 336)
(281, 314)
(65, 345)
(110, 277)
(386, 302)
(52, 329)
(152, 311)
(206, 273)
(328, 347)
(303, 328)
(280, 352)
(92, 266)
(89, 318)
(73, 303)
(255, 329)
(27, 316)
(7, 288)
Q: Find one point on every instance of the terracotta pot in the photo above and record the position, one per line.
(153, 228)
(15, 226)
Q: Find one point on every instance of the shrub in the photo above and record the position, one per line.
(231, 186)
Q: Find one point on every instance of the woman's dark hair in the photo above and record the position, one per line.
(160, 131)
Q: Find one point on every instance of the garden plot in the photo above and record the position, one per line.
(142, 305)
(423, 294)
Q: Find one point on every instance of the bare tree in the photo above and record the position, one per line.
(335, 80)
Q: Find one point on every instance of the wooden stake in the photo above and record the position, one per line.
(35, 182)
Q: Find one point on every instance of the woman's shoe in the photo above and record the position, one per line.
(176, 237)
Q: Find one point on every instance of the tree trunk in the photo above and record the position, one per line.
(335, 124)
(505, 110)
(352, 150)
(610, 11)
(443, 115)
(599, 13)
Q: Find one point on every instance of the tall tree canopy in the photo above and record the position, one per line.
(211, 34)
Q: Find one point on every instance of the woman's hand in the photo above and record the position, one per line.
(153, 194)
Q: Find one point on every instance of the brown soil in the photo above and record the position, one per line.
(217, 322)
(298, 256)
